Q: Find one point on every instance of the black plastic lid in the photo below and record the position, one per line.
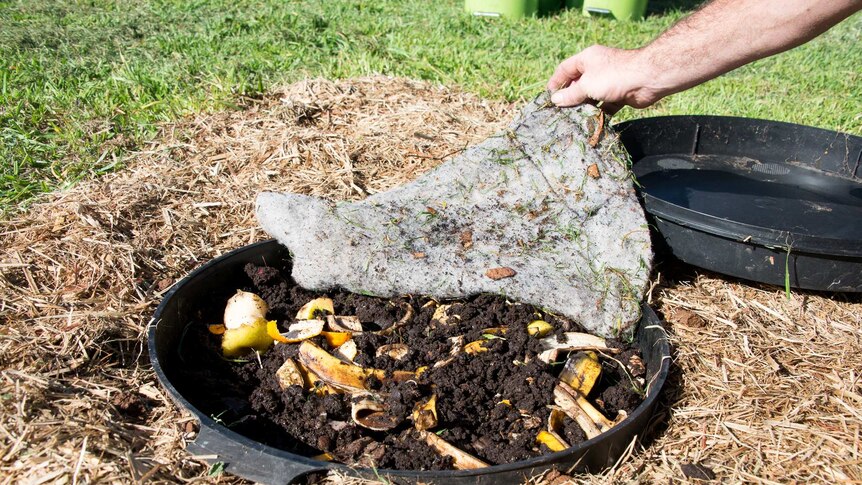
(766, 183)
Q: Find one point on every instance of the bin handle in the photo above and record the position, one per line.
(600, 11)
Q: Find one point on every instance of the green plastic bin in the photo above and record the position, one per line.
(502, 8)
(575, 4)
(618, 9)
(549, 7)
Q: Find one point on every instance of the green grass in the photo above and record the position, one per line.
(81, 82)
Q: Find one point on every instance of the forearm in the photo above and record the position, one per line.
(726, 34)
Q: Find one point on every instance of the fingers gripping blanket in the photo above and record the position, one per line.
(544, 213)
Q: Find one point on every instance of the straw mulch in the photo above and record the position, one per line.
(764, 388)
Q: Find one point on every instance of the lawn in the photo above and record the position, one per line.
(84, 82)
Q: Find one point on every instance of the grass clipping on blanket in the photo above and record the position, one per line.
(763, 388)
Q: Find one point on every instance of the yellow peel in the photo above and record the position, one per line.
(314, 383)
(551, 441)
(425, 414)
(475, 347)
(336, 339)
(342, 374)
(315, 306)
(555, 424)
(570, 341)
(564, 397)
(581, 371)
(539, 328)
(323, 457)
(242, 340)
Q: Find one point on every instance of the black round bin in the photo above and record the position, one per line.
(253, 460)
(765, 201)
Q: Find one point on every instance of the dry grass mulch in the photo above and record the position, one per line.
(763, 389)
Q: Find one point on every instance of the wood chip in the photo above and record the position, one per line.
(467, 239)
(593, 171)
(500, 273)
(597, 135)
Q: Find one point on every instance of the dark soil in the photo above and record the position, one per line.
(489, 404)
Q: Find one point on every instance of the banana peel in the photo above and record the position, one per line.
(393, 351)
(408, 315)
(582, 371)
(461, 460)
(570, 341)
(289, 374)
(313, 382)
(551, 440)
(315, 307)
(343, 375)
(551, 437)
(297, 332)
(338, 323)
(539, 328)
(566, 398)
(347, 351)
(368, 411)
(476, 347)
(576, 406)
(574, 341)
(577, 379)
(425, 414)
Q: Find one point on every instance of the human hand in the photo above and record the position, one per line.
(614, 77)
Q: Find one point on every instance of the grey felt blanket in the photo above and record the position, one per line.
(535, 213)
